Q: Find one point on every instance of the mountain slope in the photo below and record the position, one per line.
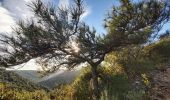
(17, 81)
(55, 79)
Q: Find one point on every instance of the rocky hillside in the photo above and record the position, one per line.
(161, 84)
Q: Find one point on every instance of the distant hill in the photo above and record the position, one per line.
(65, 77)
(17, 81)
(50, 81)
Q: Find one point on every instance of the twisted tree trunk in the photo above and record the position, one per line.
(95, 87)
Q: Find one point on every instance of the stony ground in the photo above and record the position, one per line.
(161, 83)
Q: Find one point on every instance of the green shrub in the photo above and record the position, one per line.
(136, 95)
(131, 60)
(160, 48)
(9, 93)
(111, 85)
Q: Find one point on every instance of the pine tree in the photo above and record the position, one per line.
(57, 37)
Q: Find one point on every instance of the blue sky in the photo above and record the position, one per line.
(99, 10)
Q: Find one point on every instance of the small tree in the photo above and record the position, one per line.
(59, 36)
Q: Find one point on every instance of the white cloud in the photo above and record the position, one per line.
(86, 13)
(11, 11)
(63, 3)
(6, 21)
(18, 8)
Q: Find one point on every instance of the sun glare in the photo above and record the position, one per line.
(75, 47)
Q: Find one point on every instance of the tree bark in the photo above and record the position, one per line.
(95, 87)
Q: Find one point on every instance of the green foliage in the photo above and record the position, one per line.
(134, 64)
(132, 59)
(160, 49)
(77, 90)
(137, 62)
(14, 87)
(115, 77)
(133, 23)
(8, 93)
(114, 85)
(159, 53)
(51, 39)
(145, 80)
(17, 81)
(136, 95)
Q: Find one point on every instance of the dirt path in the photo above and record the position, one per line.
(161, 82)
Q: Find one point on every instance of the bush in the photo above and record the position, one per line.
(132, 61)
(136, 95)
(9, 93)
(159, 53)
(160, 48)
(111, 85)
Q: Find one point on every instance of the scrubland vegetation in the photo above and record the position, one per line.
(124, 75)
(118, 65)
